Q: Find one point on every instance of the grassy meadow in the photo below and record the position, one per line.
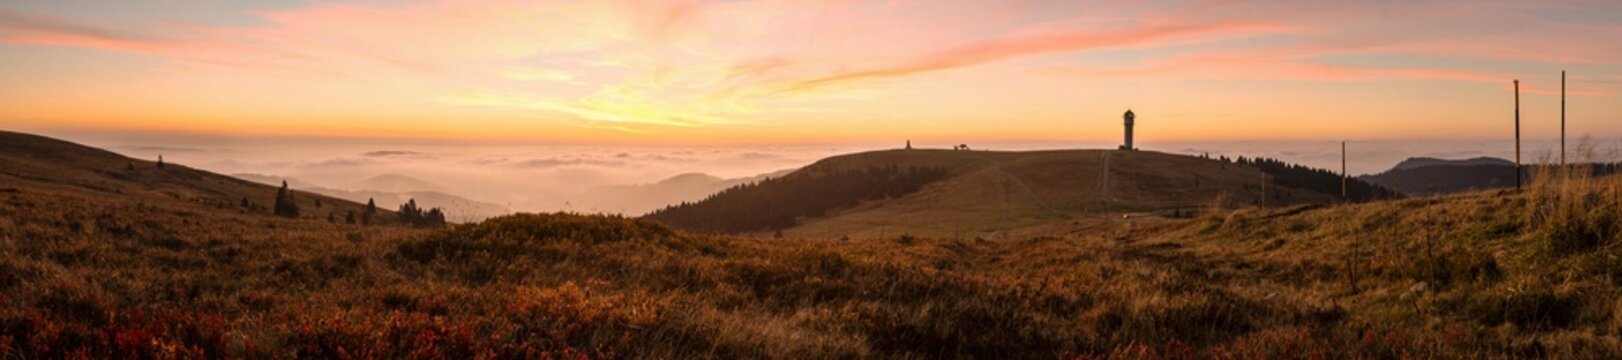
(1493, 274)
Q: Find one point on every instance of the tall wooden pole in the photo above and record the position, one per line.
(1517, 134)
(1562, 118)
(1343, 174)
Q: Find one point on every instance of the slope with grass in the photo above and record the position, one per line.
(45, 164)
(986, 192)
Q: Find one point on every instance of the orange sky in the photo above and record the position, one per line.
(706, 72)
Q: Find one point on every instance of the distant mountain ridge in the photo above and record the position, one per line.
(396, 183)
(1419, 162)
(456, 208)
(1423, 176)
(643, 198)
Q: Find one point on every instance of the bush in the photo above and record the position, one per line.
(514, 235)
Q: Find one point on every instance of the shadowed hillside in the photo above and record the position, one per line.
(1427, 176)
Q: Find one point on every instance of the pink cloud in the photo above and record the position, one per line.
(1033, 45)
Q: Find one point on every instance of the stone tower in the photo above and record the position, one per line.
(1129, 120)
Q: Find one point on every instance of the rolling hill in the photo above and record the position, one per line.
(984, 192)
(642, 198)
(69, 169)
(1430, 176)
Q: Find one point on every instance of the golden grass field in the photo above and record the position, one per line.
(1001, 194)
(103, 267)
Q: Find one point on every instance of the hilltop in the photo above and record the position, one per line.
(978, 193)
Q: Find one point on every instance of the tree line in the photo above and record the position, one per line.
(777, 203)
(286, 206)
(1317, 180)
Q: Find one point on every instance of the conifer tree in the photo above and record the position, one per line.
(285, 204)
(435, 218)
(410, 214)
(371, 209)
(160, 161)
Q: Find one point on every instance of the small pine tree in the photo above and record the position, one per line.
(435, 218)
(285, 204)
(246, 204)
(129, 166)
(332, 218)
(160, 161)
(410, 214)
(371, 209)
(281, 199)
(350, 218)
(318, 203)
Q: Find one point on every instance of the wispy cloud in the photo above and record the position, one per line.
(1028, 45)
(42, 29)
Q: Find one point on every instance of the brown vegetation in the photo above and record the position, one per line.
(1503, 274)
(1464, 276)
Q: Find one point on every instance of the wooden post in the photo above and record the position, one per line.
(1518, 135)
(1343, 195)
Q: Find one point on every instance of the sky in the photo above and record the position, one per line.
(670, 72)
(535, 101)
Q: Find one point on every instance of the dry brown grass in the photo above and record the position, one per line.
(1481, 275)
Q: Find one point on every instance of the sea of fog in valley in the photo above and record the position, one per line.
(619, 179)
